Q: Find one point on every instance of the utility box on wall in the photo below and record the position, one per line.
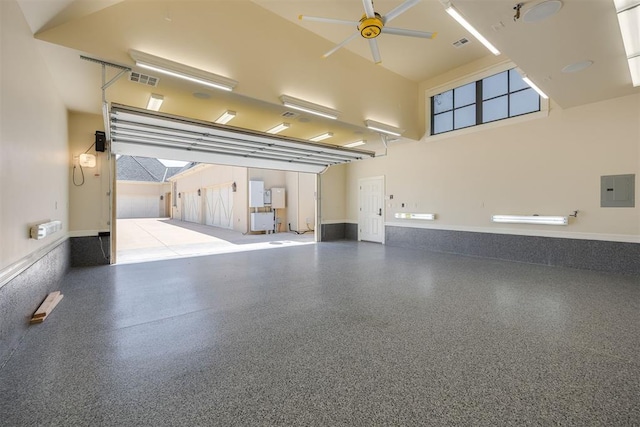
(256, 194)
(277, 198)
(262, 221)
(617, 191)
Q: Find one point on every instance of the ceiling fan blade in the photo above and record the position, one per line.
(399, 10)
(368, 8)
(344, 42)
(410, 33)
(327, 20)
(375, 52)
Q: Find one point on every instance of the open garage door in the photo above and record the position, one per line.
(139, 132)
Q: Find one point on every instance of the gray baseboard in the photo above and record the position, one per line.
(21, 296)
(615, 257)
(90, 251)
(341, 231)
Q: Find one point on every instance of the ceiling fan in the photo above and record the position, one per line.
(371, 25)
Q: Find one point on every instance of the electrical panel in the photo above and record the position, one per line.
(277, 198)
(256, 194)
(262, 221)
(617, 191)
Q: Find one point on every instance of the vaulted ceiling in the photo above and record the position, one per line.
(265, 47)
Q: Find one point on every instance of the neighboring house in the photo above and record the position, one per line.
(142, 188)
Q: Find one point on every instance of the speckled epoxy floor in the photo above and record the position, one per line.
(331, 334)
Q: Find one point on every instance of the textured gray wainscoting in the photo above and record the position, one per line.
(90, 251)
(341, 231)
(21, 296)
(598, 255)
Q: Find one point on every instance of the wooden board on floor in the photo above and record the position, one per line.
(46, 307)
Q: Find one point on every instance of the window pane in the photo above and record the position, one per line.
(494, 86)
(465, 117)
(465, 95)
(526, 101)
(515, 81)
(495, 109)
(443, 122)
(443, 102)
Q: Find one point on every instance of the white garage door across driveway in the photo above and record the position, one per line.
(138, 206)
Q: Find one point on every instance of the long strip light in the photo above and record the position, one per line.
(458, 17)
(629, 21)
(533, 219)
(309, 107)
(384, 128)
(533, 86)
(155, 102)
(355, 144)
(175, 69)
(279, 128)
(425, 216)
(226, 117)
(322, 137)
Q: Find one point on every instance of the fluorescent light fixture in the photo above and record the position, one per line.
(182, 71)
(155, 102)
(425, 216)
(384, 128)
(533, 86)
(629, 21)
(456, 15)
(355, 144)
(309, 107)
(322, 137)
(279, 128)
(533, 219)
(226, 117)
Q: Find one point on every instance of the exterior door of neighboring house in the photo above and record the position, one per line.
(219, 206)
(191, 207)
(371, 209)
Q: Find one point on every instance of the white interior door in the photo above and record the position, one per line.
(219, 206)
(371, 218)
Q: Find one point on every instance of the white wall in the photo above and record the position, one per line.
(33, 142)
(89, 213)
(546, 166)
(333, 184)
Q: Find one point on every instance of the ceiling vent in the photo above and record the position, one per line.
(461, 42)
(143, 79)
(289, 115)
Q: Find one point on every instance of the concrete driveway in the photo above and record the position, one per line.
(150, 239)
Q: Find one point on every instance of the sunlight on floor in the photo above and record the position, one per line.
(150, 239)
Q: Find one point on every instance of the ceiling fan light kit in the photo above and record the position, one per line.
(176, 69)
(371, 25)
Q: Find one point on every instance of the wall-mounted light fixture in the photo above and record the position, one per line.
(629, 21)
(425, 216)
(279, 128)
(87, 160)
(322, 137)
(199, 192)
(226, 117)
(458, 17)
(533, 86)
(384, 128)
(355, 144)
(531, 219)
(309, 107)
(175, 69)
(155, 102)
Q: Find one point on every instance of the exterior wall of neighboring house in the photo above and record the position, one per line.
(143, 199)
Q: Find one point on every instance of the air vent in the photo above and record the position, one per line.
(290, 115)
(143, 79)
(461, 42)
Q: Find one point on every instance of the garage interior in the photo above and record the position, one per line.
(476, 250)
